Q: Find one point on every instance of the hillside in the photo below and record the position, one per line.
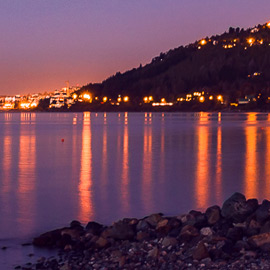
(235, 63)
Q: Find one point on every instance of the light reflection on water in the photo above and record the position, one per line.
(113, 165)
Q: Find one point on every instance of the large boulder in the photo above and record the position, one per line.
(236, 208)
(48, 239)
(213, 214)
(259, 240)
(200, 252)
(94, 228)
(263, 212)
(121, 231)
(153, 219)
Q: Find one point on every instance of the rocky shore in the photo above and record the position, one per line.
(235, 236)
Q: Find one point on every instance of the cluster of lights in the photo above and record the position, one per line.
(148, 99)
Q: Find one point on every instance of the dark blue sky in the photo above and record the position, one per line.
(46, 42)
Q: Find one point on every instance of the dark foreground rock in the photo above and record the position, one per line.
(237, 236)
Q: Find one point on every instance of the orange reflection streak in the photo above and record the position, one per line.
(147, 168)
(104, 172)
(251, 162)
(219, 117)
(267, 165)
(126, 118)
(125, 176)
(202, 164)
(218, 166)
(85, 185)
(105, 118)
(6, 163)
(26, 179)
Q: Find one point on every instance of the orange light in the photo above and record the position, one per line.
(145, 99)
(74, 96)
(220, 98)
(87, 96)
(203, 42)
(163, 100)
(211, 97)
(105, 99)
(25, 105)
(268, 25)
(201, 99)
(250, 41)
(150, 98)
(126, 99)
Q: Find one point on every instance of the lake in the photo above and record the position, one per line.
(57, 167)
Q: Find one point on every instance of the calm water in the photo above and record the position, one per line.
(112, 165)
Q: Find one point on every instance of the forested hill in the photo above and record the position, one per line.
(235, 63)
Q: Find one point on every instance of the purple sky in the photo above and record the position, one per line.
(43, 43)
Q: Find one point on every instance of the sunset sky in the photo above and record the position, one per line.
(46, 42)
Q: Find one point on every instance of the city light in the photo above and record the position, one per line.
(86, 96)
(203, 42)
(25, 105)
(211, 98)
(201, 99)
(163, 100)
(74, 96)
(105, 99)
(126, 99)
(220, 98)
(250, 41)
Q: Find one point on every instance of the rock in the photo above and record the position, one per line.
(266, 227)
(235, 234)
(142, 226)
(142, 236)
(68, 247)
(213, 214)
(265, 247)
(163, 227)
(241, 245)
(227, 246)
(199, 219)
(153, 252)
(252, 205)
(259, 240)
(169, 241)
(73, 233)
(187, 233)
(263, 211)
(200, 252)
(206, 231)
(48, 239)
(122, 261)
(153, 219)
(75, 224)
(101, 242)
(122, 231)
(236, 208)
(94, 228)
(175, 232)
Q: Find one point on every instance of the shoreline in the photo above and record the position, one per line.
(234, 236)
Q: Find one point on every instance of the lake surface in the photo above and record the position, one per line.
(56, 167)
